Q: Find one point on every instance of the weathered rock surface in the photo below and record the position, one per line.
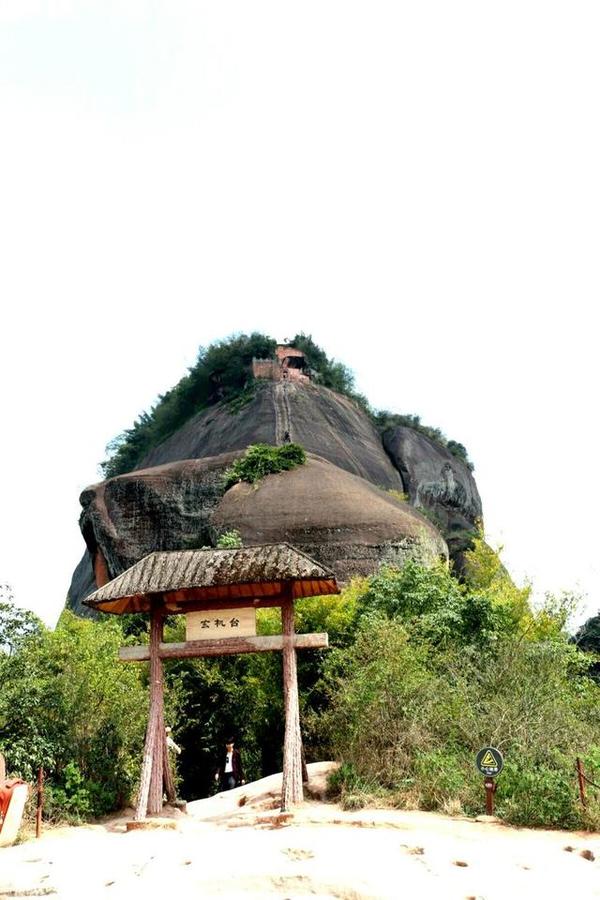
(166, 507)
(337, 507)
(83, 583)
(341, 520)
(323, 422)
(437, 482)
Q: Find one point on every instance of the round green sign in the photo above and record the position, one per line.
(489, 761)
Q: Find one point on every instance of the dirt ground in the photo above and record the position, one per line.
(237, 845)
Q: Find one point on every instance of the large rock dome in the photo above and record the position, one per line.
(361, 499)
(341, 520)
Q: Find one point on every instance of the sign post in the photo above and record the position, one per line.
(490, 763)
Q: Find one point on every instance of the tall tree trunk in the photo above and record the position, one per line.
(291, 793)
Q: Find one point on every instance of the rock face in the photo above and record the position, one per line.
(322, 421)
(438, 482)
(342, 507)
(341, 520)
(167, 507)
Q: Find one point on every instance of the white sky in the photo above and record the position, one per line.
(415, 184)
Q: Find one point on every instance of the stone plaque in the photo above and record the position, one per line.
(209, 624)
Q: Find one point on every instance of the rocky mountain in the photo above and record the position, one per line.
(361, 498)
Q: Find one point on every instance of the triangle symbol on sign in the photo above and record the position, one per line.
(488, 760)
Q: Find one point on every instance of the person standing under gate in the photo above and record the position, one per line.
(230, 773)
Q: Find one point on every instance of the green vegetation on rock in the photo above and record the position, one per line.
(229, 540)
(263, 459)
(384, 419)
(223, 373)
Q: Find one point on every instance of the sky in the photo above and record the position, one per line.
(414, 184)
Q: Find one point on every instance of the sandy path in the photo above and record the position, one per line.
(223, 850)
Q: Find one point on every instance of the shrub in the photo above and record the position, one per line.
(223, 371)
(230, 540)
(530, 793)
(411, 719)
(69, 705)
(263, 459)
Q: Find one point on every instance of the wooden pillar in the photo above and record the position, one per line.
(151, 782)
(291, 793)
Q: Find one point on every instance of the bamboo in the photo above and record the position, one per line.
(291, 793)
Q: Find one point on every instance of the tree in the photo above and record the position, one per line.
(15, 624)
(66, 703)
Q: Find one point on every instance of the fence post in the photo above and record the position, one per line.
(40, 802)
(581, 779)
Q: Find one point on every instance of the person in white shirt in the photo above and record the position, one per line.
(170, 742)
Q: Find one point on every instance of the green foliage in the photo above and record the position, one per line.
(16, 625)
(215, 698)
(539, 794)
(410, 718)
(424, 671)
(67, 704)
(71, 798)
(242, 399)
(353, 791)
(263, 459)
(385, 419)
(223, 371)
(230, 540)
(400, 496)
(434, 606)
(329, 372)
(485, 575)
(332, 374)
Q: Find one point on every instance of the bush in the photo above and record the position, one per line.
(229, 540)
(222, 372)
(263, 459)
(433, 604)
(410, 719)
(530, 793)
(69, 705)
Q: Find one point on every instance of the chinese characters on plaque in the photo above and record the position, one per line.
(220, 623)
